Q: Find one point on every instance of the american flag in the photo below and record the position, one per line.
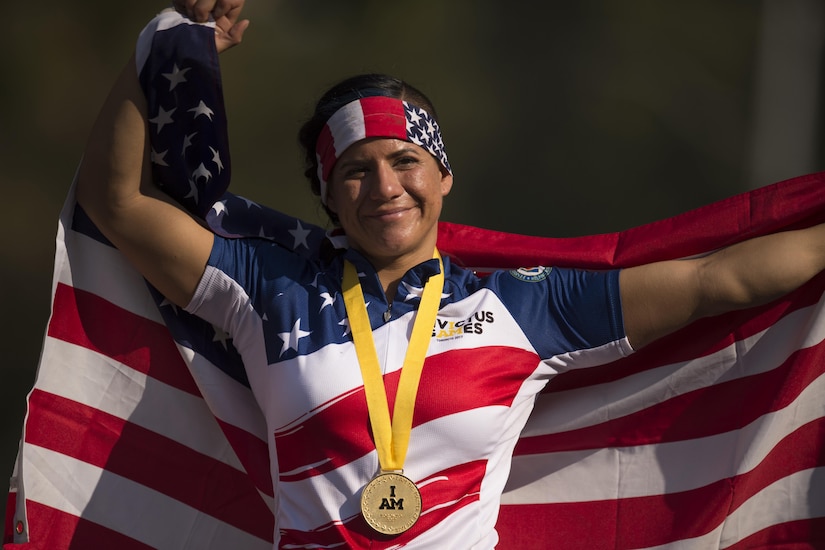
(141, 430)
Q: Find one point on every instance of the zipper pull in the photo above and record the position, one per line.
(388, 314)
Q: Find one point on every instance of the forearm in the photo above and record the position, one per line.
(662, 297)
(760, 270)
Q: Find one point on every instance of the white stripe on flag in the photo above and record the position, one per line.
(583, 407)
(650, 470)
(155, 519)
(106, 385)
(229, 400)
(776, 504)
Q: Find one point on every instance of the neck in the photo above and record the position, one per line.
(390, 280)
(391, 271)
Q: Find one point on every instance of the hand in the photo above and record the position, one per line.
(200, 10)
(228, 30)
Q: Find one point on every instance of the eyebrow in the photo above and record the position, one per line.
(406, 150)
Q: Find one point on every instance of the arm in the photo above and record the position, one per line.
(114, 186)
(662, 297)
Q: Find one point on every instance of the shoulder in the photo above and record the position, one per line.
(247, 260)
(586, 305)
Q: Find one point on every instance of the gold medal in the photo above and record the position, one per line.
(391, 503)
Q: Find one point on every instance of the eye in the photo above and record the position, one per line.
(406, 161)
(355, 172)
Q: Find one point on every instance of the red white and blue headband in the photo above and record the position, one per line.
(376, 116)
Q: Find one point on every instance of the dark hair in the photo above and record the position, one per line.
(346, 91)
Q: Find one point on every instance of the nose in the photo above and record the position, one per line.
(385, 184)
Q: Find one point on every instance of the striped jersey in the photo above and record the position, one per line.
(496, 342)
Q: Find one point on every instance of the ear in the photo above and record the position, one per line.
(446, 182)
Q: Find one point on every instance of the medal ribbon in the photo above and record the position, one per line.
(392, 437)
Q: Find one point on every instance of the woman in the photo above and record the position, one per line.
(427, 475)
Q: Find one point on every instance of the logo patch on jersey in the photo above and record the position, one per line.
(531, 274)
(474, 324)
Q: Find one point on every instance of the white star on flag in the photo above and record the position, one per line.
(202, 109)
(300, 234)
(219, 208)
(187, 142)
(164, 117)
(328, 301)
(345, 323)
(290, 339)
(202, 172)
(177, 76)
(158, 158)
(216, 158)
(193, 191)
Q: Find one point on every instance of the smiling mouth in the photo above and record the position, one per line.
(389, 214)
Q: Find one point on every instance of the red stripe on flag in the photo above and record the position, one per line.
(86, 320)
(782, 206)
(639, 522)
(253, 453)
(689, 514)
(11, 508)
(572, 526)
(145, 457)
(712, 410)
(52, 529)
(800, 450)
(802, 534)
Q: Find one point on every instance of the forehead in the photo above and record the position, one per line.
(379, 147)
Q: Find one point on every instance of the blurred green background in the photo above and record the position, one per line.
(560, 118)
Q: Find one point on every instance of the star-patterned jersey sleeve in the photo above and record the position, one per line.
(260, 291)
(236, 283)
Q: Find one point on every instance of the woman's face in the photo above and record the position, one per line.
(388, 194)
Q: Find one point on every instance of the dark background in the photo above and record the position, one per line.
(560, 118)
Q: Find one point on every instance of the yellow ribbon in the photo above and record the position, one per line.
(392, 437)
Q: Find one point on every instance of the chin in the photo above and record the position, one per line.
(390, 249)
(392, 242)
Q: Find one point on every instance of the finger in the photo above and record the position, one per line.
(196, 10)
(234, 13)
(226, 21)
(228, 8)
(231, 37)
(201, 10)
(192, 10)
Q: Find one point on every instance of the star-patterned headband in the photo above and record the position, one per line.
(376, 116)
